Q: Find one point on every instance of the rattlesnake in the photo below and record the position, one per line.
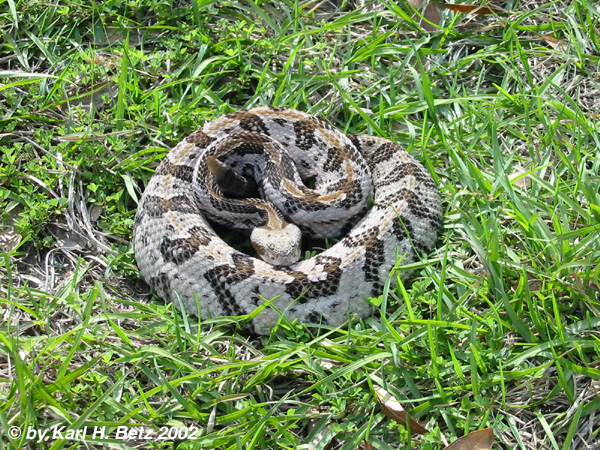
(366, 188)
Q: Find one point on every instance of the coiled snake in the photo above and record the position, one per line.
(316, 180)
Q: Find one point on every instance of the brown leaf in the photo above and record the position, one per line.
(395, 411)
(519, 179)
(476, 440)
(9, 233)
(431, 13)
(365, 446)
(556, 44)
(475, 9)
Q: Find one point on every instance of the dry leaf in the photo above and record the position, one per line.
(518, 178)
(475, 9)
(365, 446)
(395, 411)
(9, 234)
(556, 44)
(431, 13)
(476, 440)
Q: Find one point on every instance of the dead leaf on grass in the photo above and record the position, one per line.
(395, 411)
(476, 440)
(365, 445)
(431, 13)
(556, 44)
(9, 234)
(475, 9)
(520, 179)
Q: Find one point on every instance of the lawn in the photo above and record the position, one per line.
(499, 325)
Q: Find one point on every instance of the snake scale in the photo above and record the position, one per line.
(381, 201)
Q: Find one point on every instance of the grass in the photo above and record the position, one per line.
(499, 327)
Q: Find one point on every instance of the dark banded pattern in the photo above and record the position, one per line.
(283, 151)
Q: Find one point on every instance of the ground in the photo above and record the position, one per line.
(498, 327)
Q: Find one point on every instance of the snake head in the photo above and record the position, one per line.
(280, 246)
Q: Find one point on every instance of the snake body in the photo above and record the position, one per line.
(282, 151)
